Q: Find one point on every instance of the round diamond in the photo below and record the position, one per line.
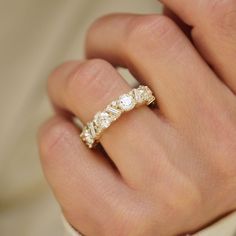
(126, 102)
(103, 119)
(113, 103)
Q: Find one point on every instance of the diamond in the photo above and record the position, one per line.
(126, 102)
(86, 135)
(92, 129)
(102, 119)
(145, 94)
(113, 111)
(139, 95)
(148, 95)
(113, 103)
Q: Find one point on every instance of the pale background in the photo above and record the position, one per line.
(36, 36)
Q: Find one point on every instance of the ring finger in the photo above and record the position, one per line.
(90, 86)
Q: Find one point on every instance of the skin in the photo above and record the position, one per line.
(166, 171)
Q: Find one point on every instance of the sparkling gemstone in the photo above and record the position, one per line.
(139, 95)
(88, 137)
(102, 119)
(113, 103)
(126, 102)
(113, 111)
(92, 129)
(148, 92)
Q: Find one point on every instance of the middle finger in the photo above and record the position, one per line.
(159, 53)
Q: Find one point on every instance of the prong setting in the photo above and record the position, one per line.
(93, 130)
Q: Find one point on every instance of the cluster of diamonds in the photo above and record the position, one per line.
(93, 130)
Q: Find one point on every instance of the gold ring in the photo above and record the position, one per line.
(93, 130)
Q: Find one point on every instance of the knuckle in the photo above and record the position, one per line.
(129, 220)
(220, 122)
(126, 224)
(146, 25)
(219, 7)
(61, 70)
(89, 78)
(223, 14)
(151, 33)
(226, 142)
(187, 199)
(122, 226)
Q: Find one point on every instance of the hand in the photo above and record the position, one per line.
(173, 169)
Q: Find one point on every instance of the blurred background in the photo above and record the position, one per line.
(36, 36)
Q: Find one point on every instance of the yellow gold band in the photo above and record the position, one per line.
(93, 130)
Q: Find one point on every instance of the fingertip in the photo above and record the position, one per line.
(61, 72)
(64, 68)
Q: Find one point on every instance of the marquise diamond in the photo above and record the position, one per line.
(113, 111)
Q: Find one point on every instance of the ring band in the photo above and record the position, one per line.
(93, 130)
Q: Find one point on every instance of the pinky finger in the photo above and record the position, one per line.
(83, 181)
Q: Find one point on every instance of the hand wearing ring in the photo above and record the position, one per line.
(165, 171)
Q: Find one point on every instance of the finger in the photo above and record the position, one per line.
(214, 32)
(158, 53)
(81, 179)
(184, 27)
(89, 88)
